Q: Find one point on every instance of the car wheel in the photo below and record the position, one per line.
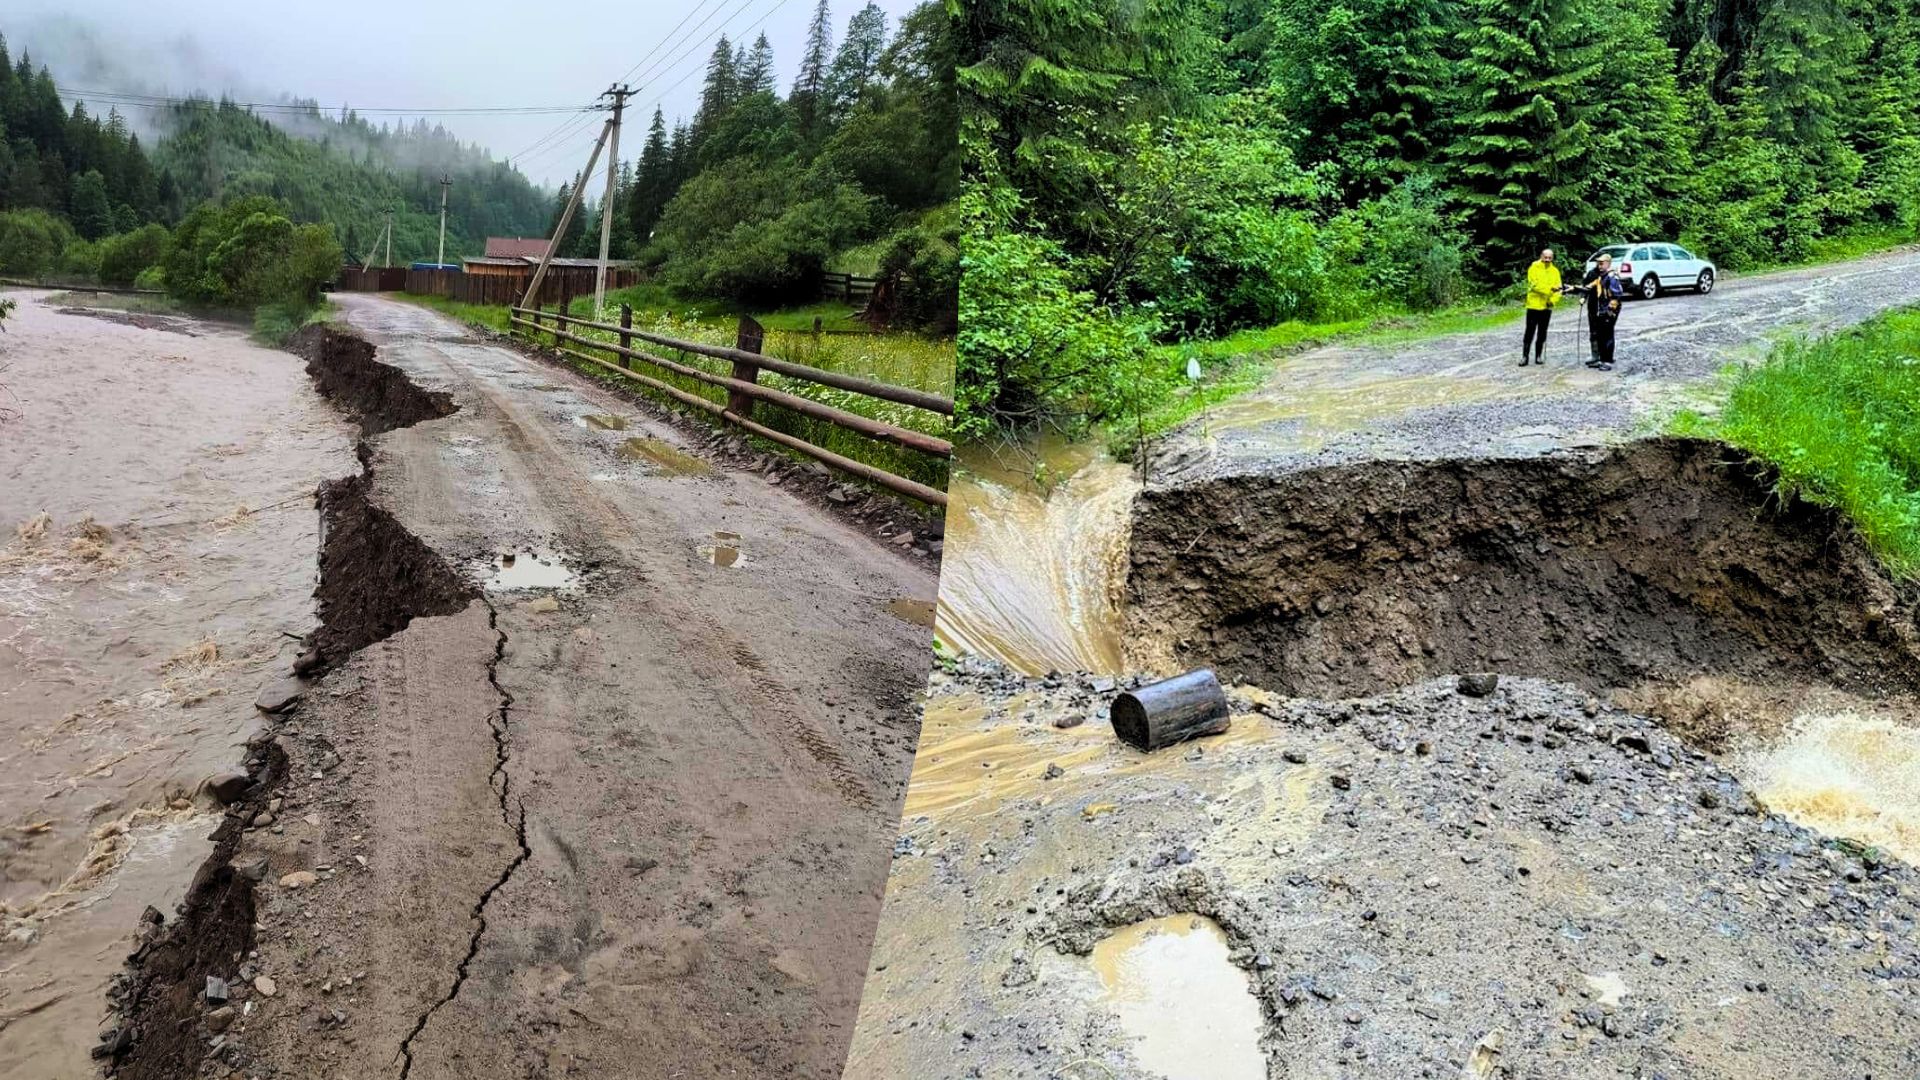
(1705, 284)
(1650, 287)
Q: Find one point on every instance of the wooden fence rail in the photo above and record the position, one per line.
(496, 289)
(849, 287)
(743, 389)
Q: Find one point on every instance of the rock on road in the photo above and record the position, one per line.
(1465, 395)
(637, 826)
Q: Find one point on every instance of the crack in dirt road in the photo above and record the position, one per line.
(498, 723)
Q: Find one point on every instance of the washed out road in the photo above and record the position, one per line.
(625, 814)
(1464, 394)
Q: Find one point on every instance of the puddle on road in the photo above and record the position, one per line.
(668, 457)
(538, 568)
(1845, 775)
(602, 422)
(917, 612)
(724, 551)
(1190, 1011)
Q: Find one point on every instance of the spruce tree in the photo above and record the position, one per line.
(756, 75)
(1519, 137)
(808, 100)
(652, 181)
(857, 62)
(720, 91)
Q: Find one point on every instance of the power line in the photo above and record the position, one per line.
(125, 97)
(764, 16)
(695, 10)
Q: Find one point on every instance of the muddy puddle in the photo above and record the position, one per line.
(602, 422)
(666, 456)
(533, 568)
(1846, 775)
(724, 551)
(917, 612)
(1189, 1013)
(1036, 557)
(157, 542)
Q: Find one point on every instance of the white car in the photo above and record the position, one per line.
(1648, 269)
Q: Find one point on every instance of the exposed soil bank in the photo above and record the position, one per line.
(378, 395)
(374, 578)
(1656, 561)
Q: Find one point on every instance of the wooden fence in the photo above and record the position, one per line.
(744, 390)
(848, 287)
(502, 289)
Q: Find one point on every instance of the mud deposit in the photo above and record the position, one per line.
(1531, 883)
(156, 567)
(1656, 561)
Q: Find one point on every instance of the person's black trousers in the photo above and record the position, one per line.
(1537, 320)
(1602, 334)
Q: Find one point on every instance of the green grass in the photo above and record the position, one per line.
(1853, 244)
(907, 360)
(1839, 418)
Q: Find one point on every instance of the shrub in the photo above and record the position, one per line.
(755, 233)
(923, 263)
(31, 242)
(248, 253)
(125, 257)
(79, 261)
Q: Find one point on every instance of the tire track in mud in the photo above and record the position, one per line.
(766, 695)
(375, 577)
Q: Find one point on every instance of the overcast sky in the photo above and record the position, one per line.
(418, 55)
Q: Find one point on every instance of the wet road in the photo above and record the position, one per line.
(631, 820)
(1465, 395)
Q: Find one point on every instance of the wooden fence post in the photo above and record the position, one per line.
(626, 339)
(749, 337)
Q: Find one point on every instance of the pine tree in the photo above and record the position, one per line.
(756, 75)
(652, 181)
(857, 63)
(1520, 136)
(808, 100)
(719, 93)
(88, 208)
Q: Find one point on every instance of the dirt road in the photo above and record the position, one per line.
(170, 575)
(625, 810)
(1464, 395)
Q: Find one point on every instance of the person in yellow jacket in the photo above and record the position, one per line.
(1543, 294)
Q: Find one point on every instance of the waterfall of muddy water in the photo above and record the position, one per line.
(1034, 578)
(1189, 1011)
(157, 544)
(1845, 775)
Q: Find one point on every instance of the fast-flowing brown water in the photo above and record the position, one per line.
(1036, 557)
(157, 545)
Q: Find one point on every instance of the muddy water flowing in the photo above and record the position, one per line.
(1846, 775)
(156, 567)
(1034, 567)
(1171, 987)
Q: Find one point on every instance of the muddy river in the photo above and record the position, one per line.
(156, 567)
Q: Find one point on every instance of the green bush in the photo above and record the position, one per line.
(248, 253)
(79, 261)
(123, 258)
(31, 242)
(153, 277)
(755, 233)
(923, 262)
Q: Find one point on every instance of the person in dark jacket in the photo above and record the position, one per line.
(1603, 296)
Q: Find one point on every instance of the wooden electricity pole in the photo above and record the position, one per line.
(618, 93)
(566, 218)
(389, 259)
(440, 257)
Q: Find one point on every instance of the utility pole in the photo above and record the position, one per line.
(389, 259)
(619, 93)
(566, 217)
(440, 257)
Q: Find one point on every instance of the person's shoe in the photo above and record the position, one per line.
(1604, 367)
(1523, 359)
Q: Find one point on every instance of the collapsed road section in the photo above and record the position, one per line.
(564, 792)
(1572, 764)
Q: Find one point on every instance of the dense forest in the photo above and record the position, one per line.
(1145, 173)
(758, 192)
(82, 197)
